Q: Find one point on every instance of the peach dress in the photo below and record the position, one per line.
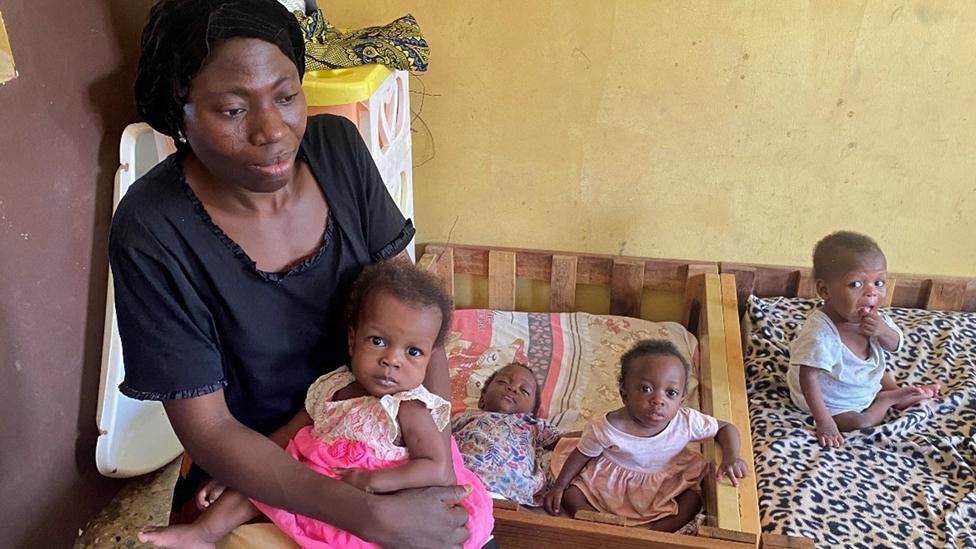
(638, 478)
(363, 433)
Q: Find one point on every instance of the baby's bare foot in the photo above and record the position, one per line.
(918, 394)
(176, 537)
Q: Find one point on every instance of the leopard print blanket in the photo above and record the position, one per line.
(906, 483)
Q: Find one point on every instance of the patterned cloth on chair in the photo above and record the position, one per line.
(398, 45)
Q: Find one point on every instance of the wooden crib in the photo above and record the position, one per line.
(928, 292)
(709, 306)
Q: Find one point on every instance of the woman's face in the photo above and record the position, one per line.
(245, 115)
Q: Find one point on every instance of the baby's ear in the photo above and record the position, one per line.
(822, 289)
(352, 337)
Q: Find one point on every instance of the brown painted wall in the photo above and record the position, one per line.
(59, 127)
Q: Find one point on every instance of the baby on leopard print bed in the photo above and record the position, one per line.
(837, 365)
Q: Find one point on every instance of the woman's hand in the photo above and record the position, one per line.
(553, 500)
(419, 518)
(734, 469)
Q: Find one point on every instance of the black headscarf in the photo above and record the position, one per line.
(178, 37)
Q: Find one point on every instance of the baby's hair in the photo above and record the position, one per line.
(538, 390)
(833, 253)
(651, 347)
(407, 283)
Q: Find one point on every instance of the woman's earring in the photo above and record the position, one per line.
(180, 137)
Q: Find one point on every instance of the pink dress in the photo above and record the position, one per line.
(362, 433)
(638, 478)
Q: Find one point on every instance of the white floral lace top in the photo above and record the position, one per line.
(367, 419)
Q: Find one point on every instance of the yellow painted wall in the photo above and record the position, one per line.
(739, 131)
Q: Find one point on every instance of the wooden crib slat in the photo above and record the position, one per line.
(501, 280)
(692, 269)
(748, 494)
(440, 261)
(945, 296)
(626, 287)
(803, 284)
(745, 282)
(562, 287)
(889, 292)
(721, 498)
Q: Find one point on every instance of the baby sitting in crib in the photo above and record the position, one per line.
(502, 441)
(837, 367)
(633, 462)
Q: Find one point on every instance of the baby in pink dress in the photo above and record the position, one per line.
(373, 425)
(634, 461)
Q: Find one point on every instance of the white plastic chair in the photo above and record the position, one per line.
(135, 436)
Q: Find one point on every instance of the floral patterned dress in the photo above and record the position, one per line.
(363, 433)
(507, 452)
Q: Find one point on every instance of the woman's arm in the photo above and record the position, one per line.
(282, 435)
(430, 458)
(255, 466)
(574, 464)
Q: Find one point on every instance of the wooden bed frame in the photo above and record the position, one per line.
(932, 292)
(732, 513)
(929, 292)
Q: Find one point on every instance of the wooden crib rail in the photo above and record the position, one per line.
(933, 292)
(626, 276)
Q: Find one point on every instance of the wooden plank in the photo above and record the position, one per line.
(562, 286)
(748, 494)
(602, 518)
(778, 541)
(912, 290)
(528, 530)
(501, 280)
(890, 286)
(440, 261)
(626, 288)
(659, 274)
(803, 284)
(945, 295)
(722, 499)
(730, 535)
(745, 282)
(969, 304)
(504, 504)
(693, 269)
(470, 261)
(694, 295)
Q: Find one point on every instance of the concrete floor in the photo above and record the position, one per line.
(144, 501)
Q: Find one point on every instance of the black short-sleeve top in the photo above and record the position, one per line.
(195, 314)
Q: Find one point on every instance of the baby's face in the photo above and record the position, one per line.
(653, 390)
(511, 391)
(857, 292)
(391, 345)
